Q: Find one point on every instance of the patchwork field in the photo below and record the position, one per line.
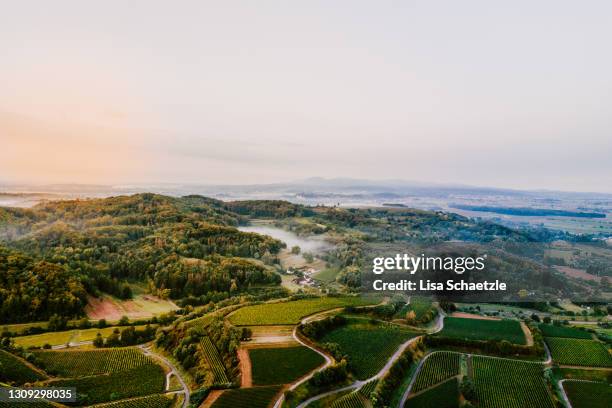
(550, 330)
(477, 329)
(579, 352)
(75, 363)
(290, 312)
(255, 397)
(438, 367)
(368, 345)
(15, 371)
(445, 395)
(583, 394)
(282, 365)
(504, 383)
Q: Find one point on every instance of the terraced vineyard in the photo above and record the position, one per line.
(15, 371)
(368, 345)
(214, 361)
(478, 329)
(150, 401)
(502, 383)
(255, 397)
(291, 312)
(353, 400)
(438, 367)
(579, 352)
(73, 363)
(282, 365)
(368, 389)
(550, 330)
(445, 395)
(586, 394)
(135, 382)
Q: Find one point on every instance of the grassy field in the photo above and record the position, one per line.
(438, 367)
(445, 395)
(327, 275)
(61, 338)
(504, 383)
(15, 371)
(74, 363)
(477, 329)
(135, 382)
(142, 306)
(368, 345)
(150, 401)
(255, 397)
(282, 365)
(291, 312)
(579, 352)
(550, 330)
(588, 394)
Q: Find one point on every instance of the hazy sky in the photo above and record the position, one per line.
(507, 94)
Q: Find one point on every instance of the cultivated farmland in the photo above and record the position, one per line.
(214, 361)
(15, 371)
(150, 401)
(445, 395)
(477, 329)
(75, 363)
(256, 397)
(353, 400)
(282, 365)
(579, 352)
(438, 367)
(368, 345)
(290, 312)
(550, 330)
(502, 383)
(585, 394)
(135, 382)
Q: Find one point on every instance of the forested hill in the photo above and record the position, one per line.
(52, 255)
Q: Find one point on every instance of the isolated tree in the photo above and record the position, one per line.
(102, 323)
(124, 321)
(98, 341)
(295, 250)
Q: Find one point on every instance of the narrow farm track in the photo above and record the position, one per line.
(358, 384)
(328, 359)
(185, 391)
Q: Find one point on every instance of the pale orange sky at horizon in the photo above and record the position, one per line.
(516, 95)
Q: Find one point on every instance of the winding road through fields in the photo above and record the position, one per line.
(360, 383)
(185, 389)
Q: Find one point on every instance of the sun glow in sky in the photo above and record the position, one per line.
(515, 94)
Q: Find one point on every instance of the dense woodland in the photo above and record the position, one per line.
(55, 254)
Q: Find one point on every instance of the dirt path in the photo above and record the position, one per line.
(528, 335)
(246, 373)
(212, 397)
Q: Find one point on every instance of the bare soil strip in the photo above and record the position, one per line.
(212, 397)
(245, 368)
(528, 335)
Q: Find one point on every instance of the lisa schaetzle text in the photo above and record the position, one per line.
(413, 264)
